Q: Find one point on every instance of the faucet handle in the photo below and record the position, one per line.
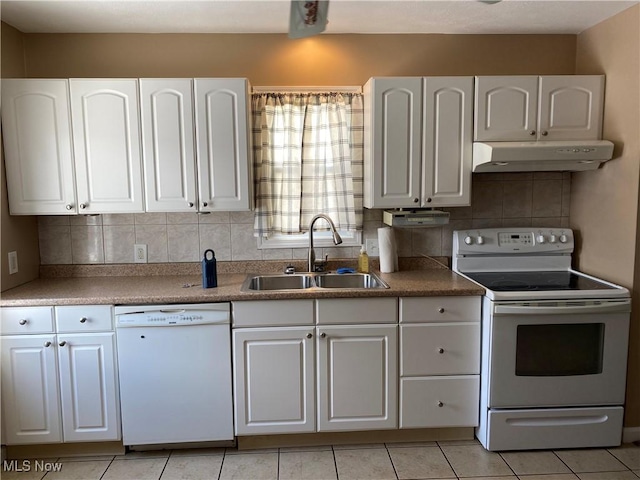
(289, 270)
(321, 265)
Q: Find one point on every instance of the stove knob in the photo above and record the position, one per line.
(553, 238)
(563, 238)
(480, 240)
(468, 240)
(540, 239)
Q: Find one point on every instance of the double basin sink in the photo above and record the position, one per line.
(301, 281)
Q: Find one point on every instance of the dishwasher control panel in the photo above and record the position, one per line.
(172, 315)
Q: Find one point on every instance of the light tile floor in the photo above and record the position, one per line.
(391, 461)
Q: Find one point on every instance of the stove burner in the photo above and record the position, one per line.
(535, 281)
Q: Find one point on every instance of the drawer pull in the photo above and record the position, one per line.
(440, 404)
(23, 321)
(47, 344)
(83, 319)
(441, 310)
(441, 350)
(62, 343)
(309, 335)
(323, 335)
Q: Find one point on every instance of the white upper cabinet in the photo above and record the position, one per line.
(530, 108)
(571, 107)
(223, 144)
(392, 130)
(417, 134)
(36, 128)
(166, 111)
(106, 137)
(447, 146)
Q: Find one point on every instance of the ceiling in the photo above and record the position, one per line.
(345, 16)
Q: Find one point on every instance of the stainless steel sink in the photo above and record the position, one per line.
(279, 282)
(349, 280)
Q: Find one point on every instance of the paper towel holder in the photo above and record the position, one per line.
(415, 218)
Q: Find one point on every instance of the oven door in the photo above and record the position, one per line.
(558, 353)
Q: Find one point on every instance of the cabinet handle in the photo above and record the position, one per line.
(429, 200)
(441, 350)
(416, 200)
(83, 206)
(62, 343)
(309, 335)
(323, 335)
(440, 404)
(47, 344)
(441, 310)
(532, 132)
(544, 133)
(205, 204)
(190, 204)
(23, 321)
(69, 206)
(83, 319)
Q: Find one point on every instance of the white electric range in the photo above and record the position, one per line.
(554, 341)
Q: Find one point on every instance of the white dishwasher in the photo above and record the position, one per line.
(175, 373)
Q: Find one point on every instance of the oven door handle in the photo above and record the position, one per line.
(603, 307)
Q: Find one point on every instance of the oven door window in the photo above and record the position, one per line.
(559, 349)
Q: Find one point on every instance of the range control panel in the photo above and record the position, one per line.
(513, 240)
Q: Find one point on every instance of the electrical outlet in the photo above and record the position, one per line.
(13, 262)
(140, 253)
(372, 247)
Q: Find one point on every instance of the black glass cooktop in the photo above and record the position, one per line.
(535, 281)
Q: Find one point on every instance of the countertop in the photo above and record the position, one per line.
(167, 289)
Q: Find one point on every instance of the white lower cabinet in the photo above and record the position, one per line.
(357, 377)
(439, 362)
(59, 388)
(30, 395)
(274, 380)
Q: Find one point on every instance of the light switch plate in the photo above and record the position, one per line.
(13, 262)
(372, 247)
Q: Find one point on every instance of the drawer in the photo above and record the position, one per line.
(272, 313)
(428, 402)
(440, 309)
(84, 318)
(337, 311)
(440, 349)
(17, 320)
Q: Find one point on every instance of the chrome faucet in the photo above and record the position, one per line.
(337, 239)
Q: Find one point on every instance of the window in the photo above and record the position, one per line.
(307, 160)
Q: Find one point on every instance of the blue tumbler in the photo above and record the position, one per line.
(209, 270)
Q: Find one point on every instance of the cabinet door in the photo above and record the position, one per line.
(392, 142)
(447, 141)
(30, 396)
(106, 140)
(88, 387)
(166, 111)
(223, 144)
(357, 378)
(36, 128)
(274, 381)
(506, 108)
(570, 107)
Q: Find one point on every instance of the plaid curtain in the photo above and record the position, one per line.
(307, 160)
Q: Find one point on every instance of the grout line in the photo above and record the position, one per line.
(165, 464)
(391, 460)
(108, 467)
(507, 464)
(224, 456)
(335, 463)
(447, 459)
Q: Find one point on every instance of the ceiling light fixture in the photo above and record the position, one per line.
(308, 17)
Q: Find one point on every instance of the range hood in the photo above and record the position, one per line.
(540, 156)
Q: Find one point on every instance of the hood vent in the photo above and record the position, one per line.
(540, 156)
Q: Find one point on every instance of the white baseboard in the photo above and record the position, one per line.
(630, 434)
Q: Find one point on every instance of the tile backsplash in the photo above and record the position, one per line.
(503, 199)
